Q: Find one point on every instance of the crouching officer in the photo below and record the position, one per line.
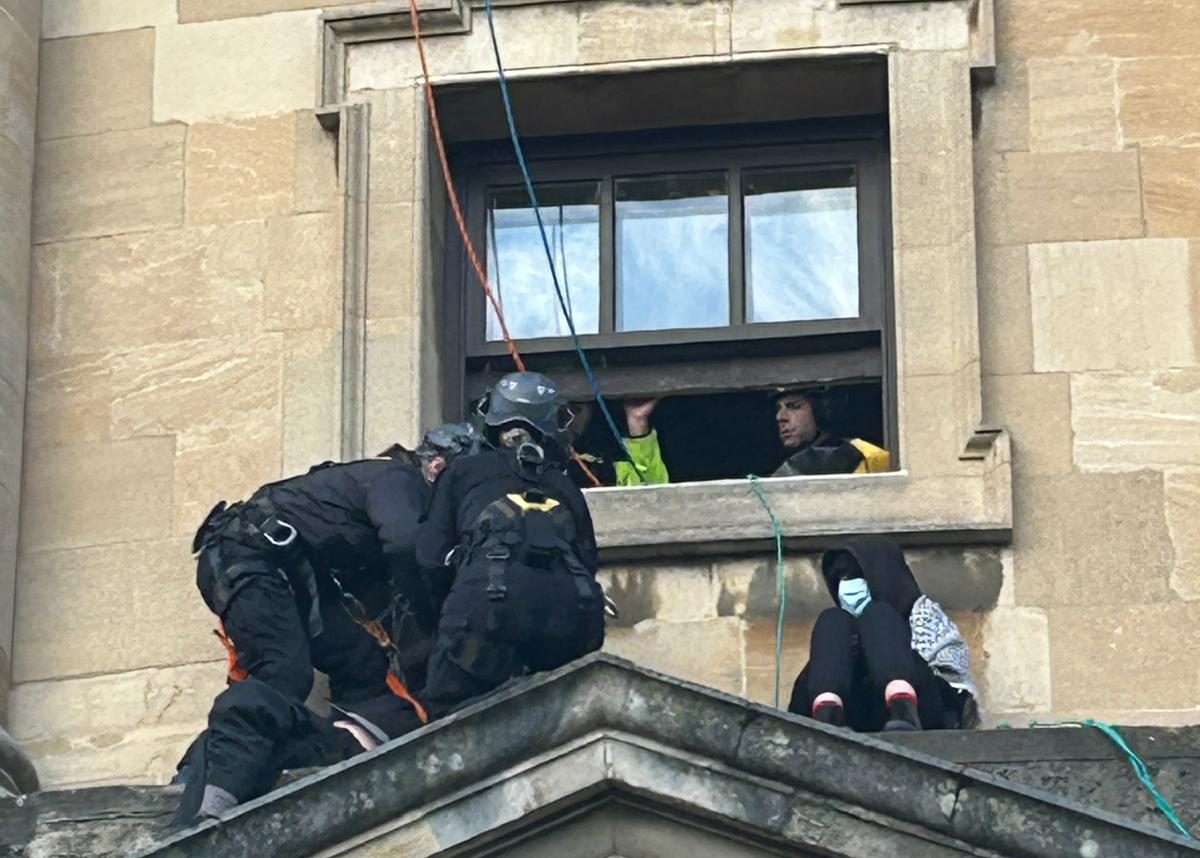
(518, 537)
(268, 567)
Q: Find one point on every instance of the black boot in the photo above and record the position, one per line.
(901, 700)
(828, 709)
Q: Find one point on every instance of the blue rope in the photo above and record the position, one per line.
(780, 579)
(1142, 771)
(537, 211)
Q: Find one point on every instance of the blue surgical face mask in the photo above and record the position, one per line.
(854, 595)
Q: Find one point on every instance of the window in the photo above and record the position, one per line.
(696, 262)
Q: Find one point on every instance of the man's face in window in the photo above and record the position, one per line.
(794, 417)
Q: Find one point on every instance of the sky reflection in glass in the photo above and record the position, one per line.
(801, 246)
(518, 268)
(672, 252)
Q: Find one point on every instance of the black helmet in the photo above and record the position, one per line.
(528, 398)
(820, 396)
(450, 440)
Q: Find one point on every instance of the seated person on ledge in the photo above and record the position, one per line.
(647, 466)
(803, 417)
(887, 657)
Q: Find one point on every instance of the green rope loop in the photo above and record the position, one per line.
(780, 579)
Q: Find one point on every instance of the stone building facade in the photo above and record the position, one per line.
(232, 264)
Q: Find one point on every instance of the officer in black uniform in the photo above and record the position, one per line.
(516, 535)
(285, 571)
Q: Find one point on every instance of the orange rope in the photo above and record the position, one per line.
(460, 220)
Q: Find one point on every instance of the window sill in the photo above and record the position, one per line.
(969, 505)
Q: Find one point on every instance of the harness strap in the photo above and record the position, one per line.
(497, 557)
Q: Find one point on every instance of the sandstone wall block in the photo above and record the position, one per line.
(1124, 422)
(145, 289)
(240, 171)
(1073, 104)
(1158, 100)
(106, 184)
(711, 652)
(97, 494)
(1036, 411)
(1183, 514)
(239, 68)
(96, 83)
(1106, 305)
(1091, 540)
(1066, 196)
(141, 610)
(82, 17)
(1125, 657)
(1171, 183)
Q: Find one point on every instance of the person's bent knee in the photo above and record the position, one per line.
(833, 621)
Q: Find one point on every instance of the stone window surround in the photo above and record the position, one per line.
(956, 487)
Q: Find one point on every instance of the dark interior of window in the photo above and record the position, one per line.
(732, 434)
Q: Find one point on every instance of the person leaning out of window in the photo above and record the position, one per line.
(804, 420)
(644, 464)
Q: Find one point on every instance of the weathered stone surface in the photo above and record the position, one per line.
(312, 374)
(316, 187)
(395, 144)
(1090, 540)
(935, 432)
(933, 199)
(1005, 314)
(1134, 28)
(18, 95)
(110, 183)
(931, 103)
(129, 291)
(249, 67)
(69, 401)
(240, 171)
(760, 25)
(1003, 110)
(760, 659)
(1158, 101)
(14, 326)
(749, 587)
(97, 494)
(711, 652)
(212, 10)
(1016, 659)
(1073, 104)
(936, 335)
(303, 286)
(1126, 422)
(117, 728)
(1066, 196)
(1106, 305)
(676, 593)
(1183, 513)
(1036, 411)
(26, 13)
(391, 65)
(615, 32)
(1171, 182)
(136, 592)
(391, 267)
(81, 17)
(392, 414)
(1125, 656)
(96, 83)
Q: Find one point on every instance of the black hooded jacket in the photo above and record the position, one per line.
(884, 568)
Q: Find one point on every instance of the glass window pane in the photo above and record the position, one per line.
(672, 252)
(520, 273)
(801, 245)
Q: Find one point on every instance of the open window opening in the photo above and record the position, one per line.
(705, 264)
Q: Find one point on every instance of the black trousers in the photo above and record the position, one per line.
(265, 616)
(541, 624)
(856, 657)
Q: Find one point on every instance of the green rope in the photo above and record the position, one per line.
(1142, 771)
(780, 579)
(1139, 766)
